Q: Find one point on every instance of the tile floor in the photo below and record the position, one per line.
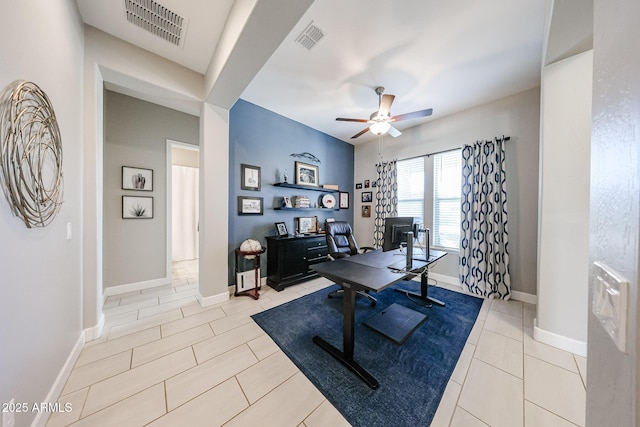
(162, 360)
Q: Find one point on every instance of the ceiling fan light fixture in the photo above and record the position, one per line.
(380, 128)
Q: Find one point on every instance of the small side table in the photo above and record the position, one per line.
(253, 293)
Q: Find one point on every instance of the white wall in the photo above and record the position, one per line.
(134, 250)
(517, 116)
(563, 251)
(613, 386)
(40, 321)
(108, 60)
(214, 218)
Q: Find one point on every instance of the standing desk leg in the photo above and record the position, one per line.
(348, 338)
(424, 290)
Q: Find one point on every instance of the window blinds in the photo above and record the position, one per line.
(411, 188)
(447, 172)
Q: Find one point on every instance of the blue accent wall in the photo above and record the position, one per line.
(259, 137)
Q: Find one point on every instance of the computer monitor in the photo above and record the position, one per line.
(395, 231)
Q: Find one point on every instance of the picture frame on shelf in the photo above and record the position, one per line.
(344, 200)
(138, 179)
(137, 207)
(250, 205)
(250, 177)
(366, 211)
(367, 196)
(307, 224)
(307, 174)
(286, 202)
(281, 229)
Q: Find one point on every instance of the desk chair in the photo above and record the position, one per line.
(341, 243)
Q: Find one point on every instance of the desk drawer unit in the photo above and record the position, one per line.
(289, 259)
(316, 251)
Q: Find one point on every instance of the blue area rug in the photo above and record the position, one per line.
(412, 376)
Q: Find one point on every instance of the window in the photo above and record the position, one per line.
(447, 178)
(411, 189)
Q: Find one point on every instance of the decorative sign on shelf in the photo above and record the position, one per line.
(31, 154)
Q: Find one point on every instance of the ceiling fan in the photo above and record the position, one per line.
(381, 120)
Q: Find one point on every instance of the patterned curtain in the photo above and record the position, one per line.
(386, 197)
(484, 254)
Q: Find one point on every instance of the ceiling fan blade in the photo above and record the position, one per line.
(385, 105)
(362, 132)
(414, 115)
(342, 119)
(394, 132)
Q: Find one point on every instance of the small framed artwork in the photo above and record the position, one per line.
(306, 174)
(307, 224)
(137, 207)
(359, 186)
(250, 205)
(374, 183)
(366, 211)
(344, 200)
(250, 176)
(137, 179)
(286, 202)
(367, 196)
(281, 229)
(366, 183)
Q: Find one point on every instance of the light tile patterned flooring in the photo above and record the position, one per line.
(162, 360)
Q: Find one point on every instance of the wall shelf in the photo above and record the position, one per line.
(306, 209)
(304, 187)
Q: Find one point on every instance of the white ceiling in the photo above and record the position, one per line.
(445, 55)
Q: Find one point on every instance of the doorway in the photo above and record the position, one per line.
(183, 212)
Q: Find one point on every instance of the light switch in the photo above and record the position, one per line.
(610, 303)
(69, 233)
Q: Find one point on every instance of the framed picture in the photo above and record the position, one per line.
(250, 176)
(134, 207)
(250, 205)
(366, 183)
(344, 200)
(367, 196)
(306, 174)
(307, 224)
(281, 229)
(366, 211)
(286, 202)
(137, 179)
(359, 186)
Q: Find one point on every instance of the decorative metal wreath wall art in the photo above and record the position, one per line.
(31, 156)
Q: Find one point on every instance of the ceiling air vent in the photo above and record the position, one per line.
(310, 36)
(157, 19)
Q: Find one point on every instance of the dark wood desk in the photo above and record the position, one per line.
(372, 271)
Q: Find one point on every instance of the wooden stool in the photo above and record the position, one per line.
(253, 293)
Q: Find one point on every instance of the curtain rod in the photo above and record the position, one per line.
(505, 138)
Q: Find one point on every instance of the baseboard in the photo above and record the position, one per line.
(559, 341)
(137, 286)
(515, 295)
(58, 385)
(443, 278)
(524, 297)
(94, 332)
(213, 299)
